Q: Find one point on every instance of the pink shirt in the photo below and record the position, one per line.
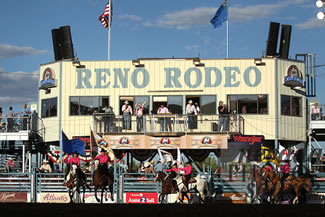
(10, 164)
(163, 110)
(187, 169)
(74, 160)
(267, 168)
(285, 169)
(102, 159)
(172, 169)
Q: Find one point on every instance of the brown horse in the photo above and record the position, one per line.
(168, 185)
(103, 177)
(263, 185)
(295, 184)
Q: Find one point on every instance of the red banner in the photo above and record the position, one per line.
(13, 197)
(144, 198)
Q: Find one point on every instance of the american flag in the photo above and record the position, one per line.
(104, 18)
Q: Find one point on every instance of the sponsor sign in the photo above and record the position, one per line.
(144, 198)
(48, 79)
(294, 77)
(13, 197)
(52, 197)
(247, 140)
(90, 198)
(237, 198)
(183, 142)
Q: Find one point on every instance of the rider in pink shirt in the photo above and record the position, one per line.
(187, 175)
(103, 157)
(74, 160)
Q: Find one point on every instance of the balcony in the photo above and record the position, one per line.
(13, 129)
(168, 124)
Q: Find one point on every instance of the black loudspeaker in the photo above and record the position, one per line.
(272, 41)
(56, 38)
(67, 47)
(285, 41)
(62, 43)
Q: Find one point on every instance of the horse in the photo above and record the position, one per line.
(262, 185)
(295, 184)
(168, 185)
(200, 186)
(74, 180)
(103, 177)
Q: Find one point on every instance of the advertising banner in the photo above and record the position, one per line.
(90, 198)
(51, 197)
(236, 198)
(183, 142)
(144, 198)
(13, 197)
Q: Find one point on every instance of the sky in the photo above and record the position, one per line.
(145, 28)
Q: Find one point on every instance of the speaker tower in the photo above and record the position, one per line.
(272, 41)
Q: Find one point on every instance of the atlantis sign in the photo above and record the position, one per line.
(210, 77)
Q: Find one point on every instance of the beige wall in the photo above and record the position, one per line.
(254, 124)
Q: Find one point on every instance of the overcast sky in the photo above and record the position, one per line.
(144, 28)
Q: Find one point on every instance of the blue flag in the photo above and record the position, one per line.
(220, 16)
(70, 146)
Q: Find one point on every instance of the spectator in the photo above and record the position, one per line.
(124, 167)
(222, 109)
(10, 165)
(56, 166)
(163, 122)
(315, 112)
(45, 168)
(190, 112)
(139, 113)
(0, 116)
(148, 167)
(141, 168)
(10, 119)
(127, 112)
(108, 118)
(243, 109)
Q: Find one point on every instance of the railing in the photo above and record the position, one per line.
(15, 124)
(16, 182)
(172, 123)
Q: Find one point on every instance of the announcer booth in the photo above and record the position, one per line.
(262, 103)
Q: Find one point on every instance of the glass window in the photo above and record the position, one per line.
(248, 104)
(290, 105)
(208, 105)
(49, 107)
(87, 105)
(175, 104)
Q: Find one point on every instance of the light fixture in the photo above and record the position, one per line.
(76, 63)
(259, 62)
(197, 61)
(319, 3)
(320, 15)
(136, 63)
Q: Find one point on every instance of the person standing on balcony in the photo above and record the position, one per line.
(10, 119)
(139, 114)
(163, 122)
(0, 116)
(315, 112)
(26, 114)
(190, 112)
(108, 118)
(127, 112)
(222, 117)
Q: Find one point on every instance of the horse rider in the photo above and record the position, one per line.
(76, 161)
(187, 173)
(172, 174)
(103, 159)
(267, 167)
(285, 170)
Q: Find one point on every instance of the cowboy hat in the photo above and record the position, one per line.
(103, 150)
(190, 101)
(126, 102)
(152, 161)
(146, 164)
(45, 161)
(10, 158)
(75, 152)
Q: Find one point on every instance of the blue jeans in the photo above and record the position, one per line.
(126, 120)
(139, 123)
(222, 122)
(163, 124)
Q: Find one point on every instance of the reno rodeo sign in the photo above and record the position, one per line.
(193, 77)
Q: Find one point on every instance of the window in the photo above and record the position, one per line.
(207, 104)
(173, 103)
(49, 107)
(290, 105)
(248, 104)
(87, 105)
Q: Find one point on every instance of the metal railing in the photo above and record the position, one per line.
(15, 124)
(171, 123)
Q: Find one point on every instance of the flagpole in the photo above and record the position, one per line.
(109, 29)
(227, 30)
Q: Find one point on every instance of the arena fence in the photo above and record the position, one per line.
(221, 184)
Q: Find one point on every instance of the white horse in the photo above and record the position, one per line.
(200, 186)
